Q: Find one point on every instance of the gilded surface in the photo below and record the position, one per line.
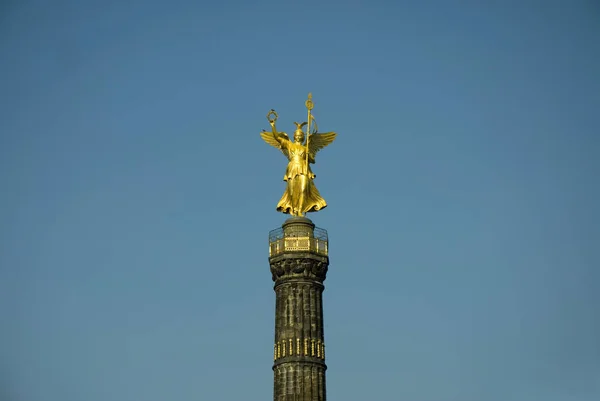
(283, 245)
(312, 348)
(301, 195)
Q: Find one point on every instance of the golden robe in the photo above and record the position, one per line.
(301, 195)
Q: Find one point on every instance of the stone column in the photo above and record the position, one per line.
(299, 267)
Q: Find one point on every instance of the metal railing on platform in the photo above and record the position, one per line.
(280, 243)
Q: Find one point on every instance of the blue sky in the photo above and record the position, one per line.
(137, 196)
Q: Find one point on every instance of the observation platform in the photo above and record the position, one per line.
(298, 234)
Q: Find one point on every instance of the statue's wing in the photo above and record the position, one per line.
(319, 141)
(269, 137)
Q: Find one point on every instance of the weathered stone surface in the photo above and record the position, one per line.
(299, 381)
(296, 265)
(299, 349)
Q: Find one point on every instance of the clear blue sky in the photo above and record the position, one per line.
(137, 196)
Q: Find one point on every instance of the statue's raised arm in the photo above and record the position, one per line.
(274, 138)
(301, 195)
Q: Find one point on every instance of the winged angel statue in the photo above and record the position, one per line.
(301, 195)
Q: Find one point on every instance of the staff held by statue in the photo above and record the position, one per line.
(301, 195)
(309, 106)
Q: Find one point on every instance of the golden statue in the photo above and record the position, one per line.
(301, 195)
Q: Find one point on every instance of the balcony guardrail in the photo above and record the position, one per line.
(280, 243)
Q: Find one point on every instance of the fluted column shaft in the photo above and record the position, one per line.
(299, 348)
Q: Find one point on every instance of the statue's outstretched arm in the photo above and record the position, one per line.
(281, 137)
(276, 139)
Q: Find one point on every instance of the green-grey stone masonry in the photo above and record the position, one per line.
(299, 261)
